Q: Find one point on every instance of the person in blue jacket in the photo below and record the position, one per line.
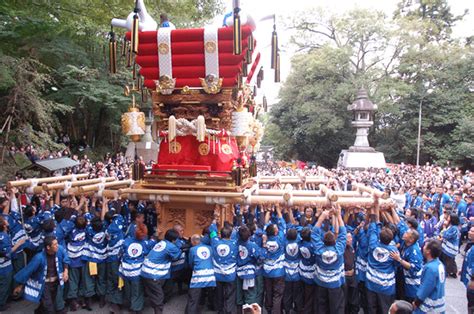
(410, 258)
(307, 270)
(6, 268)
(450, 237)
(329, 249)
(460, 208)
(247, 259)
(76, 241)
(200, 260)
(361, 241)
(273, 264)
(95, 255)
(292, 298)
(430, 297)
(380, 266)
(224, 256)
(467, 274)
(114, 234)
(156, 269)
(134, 251)
(44, 277)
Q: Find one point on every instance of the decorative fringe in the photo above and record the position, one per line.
(134, 47)
(237, 29)
(200, 128)
(112, 52)
(277, 68)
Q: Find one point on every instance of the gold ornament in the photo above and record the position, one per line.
(175, 147)
(203, 149)
(186, 90)
(165, 85)
(211, 84)
(210, 46)
(163, 49)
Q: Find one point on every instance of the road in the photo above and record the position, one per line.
(455, 301)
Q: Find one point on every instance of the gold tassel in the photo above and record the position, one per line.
(112, 53)
(237, 30)
(274, 46)
(254, 91)
(265, 104)
(144, 92)
(200, 128)
(139, 83)
(135, 33)
(277, 68)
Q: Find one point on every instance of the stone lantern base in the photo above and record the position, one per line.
(361, 159)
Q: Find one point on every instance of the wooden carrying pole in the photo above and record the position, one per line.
(40, 181)
(62, 185)
(375, 192)
(97, 187)
(307, 193)
(290, 179)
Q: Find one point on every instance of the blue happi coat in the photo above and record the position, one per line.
(431, 291)
(33, 275)
(247, 259)
(134, 252)
(380, 266)
(95, 249)
(273, 265)
(450, 244)
(224, 256)
(157, 264)
(115, 234)
(329, 259)
(200, 260)
(292, 260)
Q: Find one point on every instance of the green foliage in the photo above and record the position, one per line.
(401, 61)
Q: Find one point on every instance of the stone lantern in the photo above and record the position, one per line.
(361, 155)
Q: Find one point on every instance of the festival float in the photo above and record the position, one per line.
(202, 83)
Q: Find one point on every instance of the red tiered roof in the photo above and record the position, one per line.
(187, 49)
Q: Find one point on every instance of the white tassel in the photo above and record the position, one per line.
(171, 131)
(200, 129)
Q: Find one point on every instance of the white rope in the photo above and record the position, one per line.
(185, 127)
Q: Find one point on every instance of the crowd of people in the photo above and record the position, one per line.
(66, 253)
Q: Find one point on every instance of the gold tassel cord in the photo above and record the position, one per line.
(237, 30)
(112, 53)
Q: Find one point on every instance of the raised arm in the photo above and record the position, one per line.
(105, 207)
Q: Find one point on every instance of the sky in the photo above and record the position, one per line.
(285, 9)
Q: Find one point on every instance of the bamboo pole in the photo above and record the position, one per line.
(29, 182)
(375, 192)
(62, 185)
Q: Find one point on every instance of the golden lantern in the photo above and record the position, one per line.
(133, 123)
